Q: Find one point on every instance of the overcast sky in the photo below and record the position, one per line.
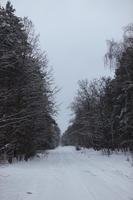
(74, 34)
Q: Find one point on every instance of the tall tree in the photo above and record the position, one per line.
(120, 56)
(27, 98)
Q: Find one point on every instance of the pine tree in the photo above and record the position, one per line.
(27, 98)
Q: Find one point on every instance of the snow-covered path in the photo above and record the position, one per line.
(65, 174)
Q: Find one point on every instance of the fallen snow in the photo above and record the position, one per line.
(65, 174)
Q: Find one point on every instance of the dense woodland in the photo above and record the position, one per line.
(103, 109)
(27, 93)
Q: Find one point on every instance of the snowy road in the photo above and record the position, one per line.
(65, 174)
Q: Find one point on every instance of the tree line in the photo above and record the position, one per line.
(27, 94)
(103, 108)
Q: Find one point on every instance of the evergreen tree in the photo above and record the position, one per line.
(103, 109)
(27, 98)
(120, 56)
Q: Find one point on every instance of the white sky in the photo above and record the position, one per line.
(74, 34)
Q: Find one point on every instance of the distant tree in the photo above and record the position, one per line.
(88, 126)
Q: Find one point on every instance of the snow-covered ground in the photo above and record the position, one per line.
(65, 174)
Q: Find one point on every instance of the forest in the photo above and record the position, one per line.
(27, 91)
(103, 108)
(66, 100)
